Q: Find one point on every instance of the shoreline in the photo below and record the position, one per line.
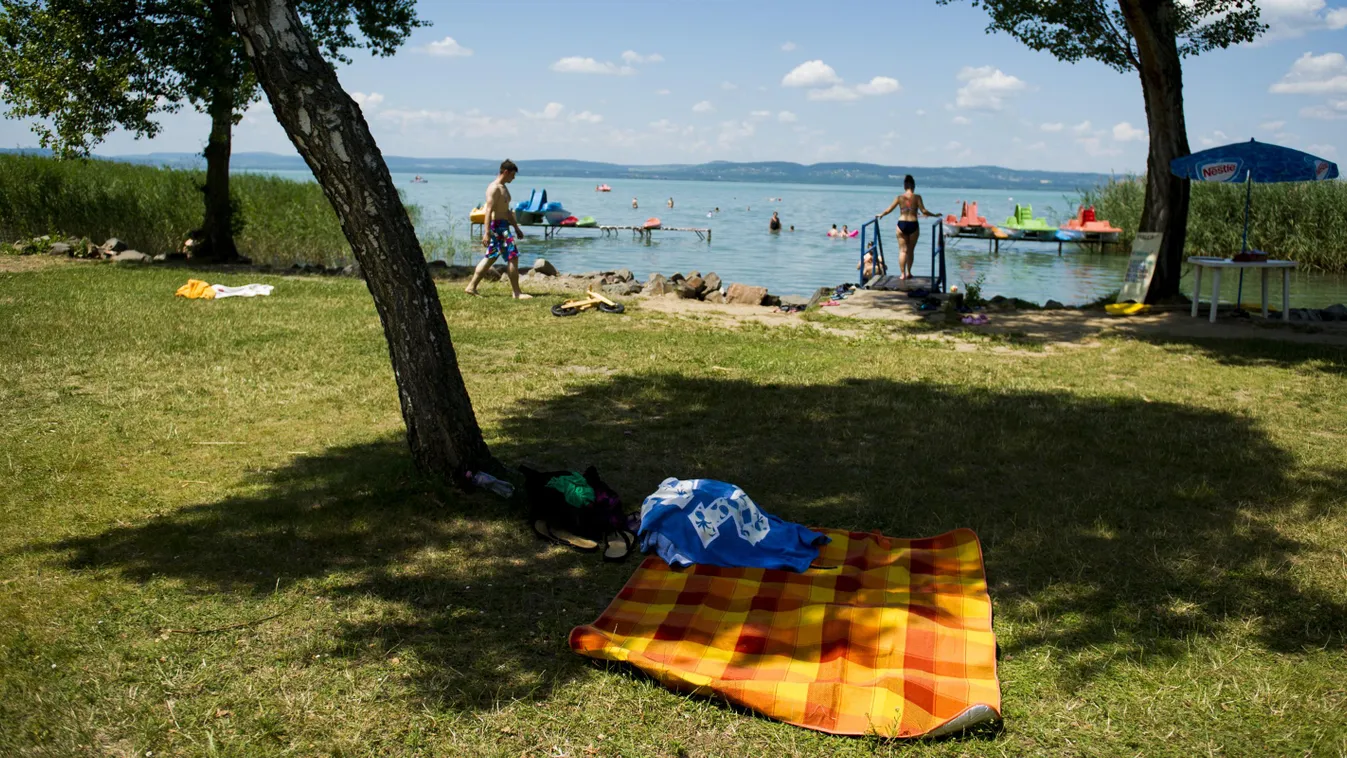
(679, 295)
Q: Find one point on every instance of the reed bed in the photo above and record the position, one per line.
(281, 221)
(1305, 221)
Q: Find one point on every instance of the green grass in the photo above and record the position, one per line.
(1303, 221)
(153, 209)
(1163, 524)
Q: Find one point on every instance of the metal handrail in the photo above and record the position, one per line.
(938, 252)
(879, 263)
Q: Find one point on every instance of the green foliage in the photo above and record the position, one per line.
(1079, 29)
(972, 292)
(153, 209)
(1303, 221)
(84, 68)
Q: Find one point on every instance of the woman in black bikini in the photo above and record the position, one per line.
(909, 204)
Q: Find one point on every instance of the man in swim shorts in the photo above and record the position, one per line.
(496, 237)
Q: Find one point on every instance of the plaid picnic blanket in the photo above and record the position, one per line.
(895, 641)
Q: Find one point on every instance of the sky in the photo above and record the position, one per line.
(901, 82)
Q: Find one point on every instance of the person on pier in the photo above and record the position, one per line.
(909, 204)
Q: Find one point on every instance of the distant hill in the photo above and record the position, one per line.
(771, 172)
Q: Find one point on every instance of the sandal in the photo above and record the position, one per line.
(558, 536)
(619, 544)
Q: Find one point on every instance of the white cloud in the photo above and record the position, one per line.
(367, 102)
(1323, 151)
(789, 46)
(761, 114)
(1217, 137)
(786, 117)
(585, 117)
(811, 74)
(662, 92)
(577, 65)
(1125, 132)
(733, 131)
(448, 48)
(986, 88)
(921, 111)
(1294, 18)
(880, 85)
(962, 121)
(549, 112)
(1093, 147)
(1037, 146)
(451, 124)
(727, 86)
(664, 126)
(631, 56)
(836, 93)
(704, 106)
(1083, 127)
(1272, 126)
(1330, 111)
(1314, 75)
(1054, 127)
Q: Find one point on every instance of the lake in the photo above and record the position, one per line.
(797, 263)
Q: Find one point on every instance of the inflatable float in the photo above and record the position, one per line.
(586, 222)
(651, 223)
(603, 188)
(477, 216)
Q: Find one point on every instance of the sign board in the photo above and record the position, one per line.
(1141, 267)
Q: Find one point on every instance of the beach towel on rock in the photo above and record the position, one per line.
(896, 642)
(704, 521)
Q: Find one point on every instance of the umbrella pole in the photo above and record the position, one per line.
(1244, 246)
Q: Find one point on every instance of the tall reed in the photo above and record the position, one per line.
(153, 209)
(1302, 221)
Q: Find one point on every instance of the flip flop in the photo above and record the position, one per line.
(563, 537)
(618, 545)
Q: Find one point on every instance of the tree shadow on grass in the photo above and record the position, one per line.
(1111, 528)
(1259, 353)
(1105, 522)
(457, 580)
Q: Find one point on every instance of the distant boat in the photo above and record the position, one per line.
(419, 180)
(603, 188)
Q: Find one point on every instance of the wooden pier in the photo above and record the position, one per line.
(551, 231)
(1099, 242)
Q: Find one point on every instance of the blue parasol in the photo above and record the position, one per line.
(1251, 162)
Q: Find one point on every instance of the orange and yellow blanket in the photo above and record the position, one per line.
(896, 640)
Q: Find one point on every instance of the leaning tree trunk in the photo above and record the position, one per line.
(327, 128)
(1152, 24)
(217, 227)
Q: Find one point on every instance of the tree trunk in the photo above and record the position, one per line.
(217, 238)
(217, 228)
(329, 131)
(1152, 25)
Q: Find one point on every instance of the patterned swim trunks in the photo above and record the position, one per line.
(500, 241)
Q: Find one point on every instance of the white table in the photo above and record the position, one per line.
(1217, 264)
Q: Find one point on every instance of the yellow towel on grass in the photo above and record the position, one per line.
(195, 288)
